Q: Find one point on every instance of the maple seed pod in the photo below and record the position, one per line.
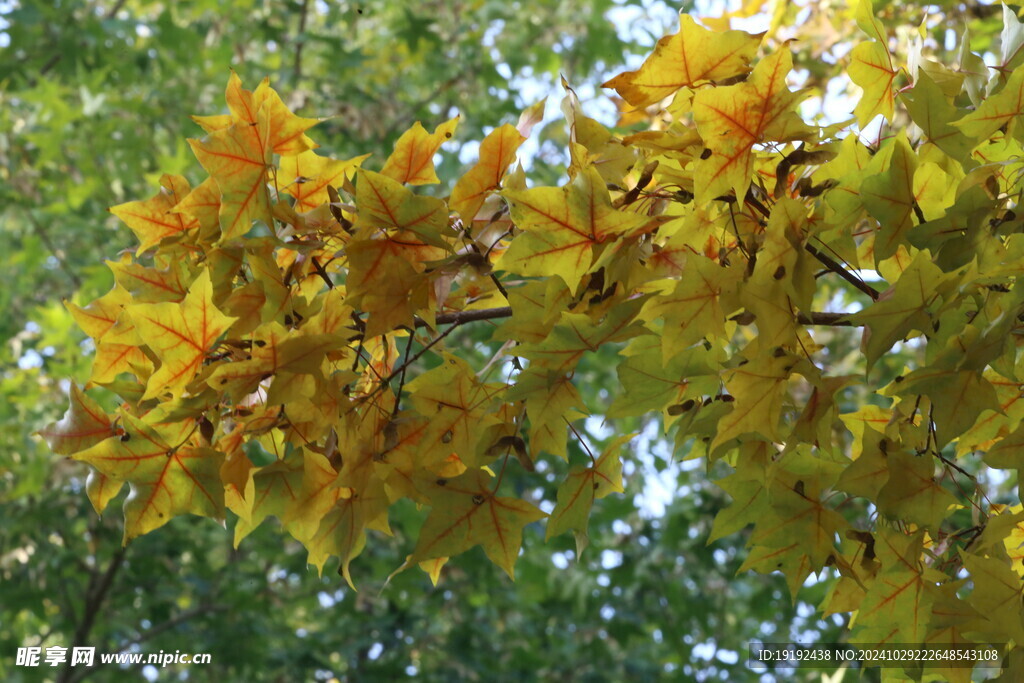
(206, 429)
(680, 408)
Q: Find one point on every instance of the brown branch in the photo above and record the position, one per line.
(322, 272)
(418, 355)
(114, 9)
(94, 598)
(826, 318)
(44, 237)
(828, 262)
(401, 379)
(300, 42)
(150, 633)
(171, 623)
(461, 317)
(836, 268)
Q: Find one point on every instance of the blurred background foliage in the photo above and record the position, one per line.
(95, 97)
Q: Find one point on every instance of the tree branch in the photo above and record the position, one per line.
(94, 598)
(154, 631)
(824, 318)
(828, 262)
(114, 9)
(838, 269)
(44, 237)
(180, 618)
(461, 317)
(300, 41)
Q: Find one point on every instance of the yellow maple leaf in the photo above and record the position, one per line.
(412, 161)
(577, 493)
(386, 203)
(563, 227)
(202, 204)
(465, 512)
(180, 335)
(497, 152)
(152, 220)
(285, 131)
(168, 471)
(733, 119)
(83, 425)
(1002, 109)
(693, 56)
(237, 157)
(872, 69)
(306, 177)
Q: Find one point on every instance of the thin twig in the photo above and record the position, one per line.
(300, 42)
(94, 598)
(593, 460)
(322, 272)
(44, 237)
(115, 8)
(836, 268)
(401, 378)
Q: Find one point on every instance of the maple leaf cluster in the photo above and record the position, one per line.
(277, 341)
